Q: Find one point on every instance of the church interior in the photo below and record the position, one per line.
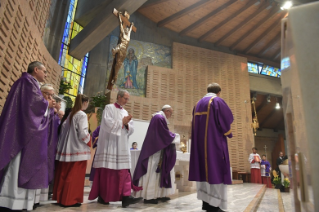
(262, 53)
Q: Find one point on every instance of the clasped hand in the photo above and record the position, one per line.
(126, 119)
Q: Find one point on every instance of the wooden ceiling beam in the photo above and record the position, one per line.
(183, 12)
(262, 36)
(254, 28)
(265, 33)
(230, 18)
(261, 125)
(250, 18)
(277, 54)
(270, 44)
(151, 3)
(204, 19)
(280, 123)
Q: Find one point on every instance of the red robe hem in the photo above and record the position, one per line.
(69, 182)
(255, 176)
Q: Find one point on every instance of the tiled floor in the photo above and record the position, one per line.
(239, 196)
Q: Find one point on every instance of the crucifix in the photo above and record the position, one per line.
(119, 52)
(265, 147)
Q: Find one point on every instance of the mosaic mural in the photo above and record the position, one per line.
(139, 55)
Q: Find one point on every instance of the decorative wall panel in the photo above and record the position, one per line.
(21, 30)
(183, 85)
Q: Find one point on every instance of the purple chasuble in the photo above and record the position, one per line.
(23, 128)
(209, 159)
(158, 137)
(95, 134)
(267, 165)
(52, 142)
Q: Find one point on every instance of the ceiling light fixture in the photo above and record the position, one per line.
(277, 104)
(268, 98)
(286, 5)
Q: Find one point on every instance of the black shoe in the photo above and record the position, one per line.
(164, 199)
(128, 200)
(36, 205)
(209, 208)
(101, 201)
(68, 206)
(151, 201)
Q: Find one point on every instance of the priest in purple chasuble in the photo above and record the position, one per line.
(24, 140)
(154, 170)
(112, 178)
(209, 159)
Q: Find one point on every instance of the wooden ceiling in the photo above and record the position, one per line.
(247, 27)
(268, 116)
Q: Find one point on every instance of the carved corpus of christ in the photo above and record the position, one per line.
(119, 52)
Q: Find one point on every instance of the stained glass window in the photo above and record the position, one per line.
(73, 70)
(285, 63)
(253, 68)
(263, 69)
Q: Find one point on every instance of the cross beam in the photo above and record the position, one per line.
(101, 26)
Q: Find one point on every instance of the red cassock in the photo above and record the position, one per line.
(69, 182)
(266, 181)
(255, 176)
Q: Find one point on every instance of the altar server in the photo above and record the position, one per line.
(265, 171)
(73, 151)
(255, 160)
(23, 141)
(209, 159)
(112, 179)
(155, 166)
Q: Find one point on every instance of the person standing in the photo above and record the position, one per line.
(73, 151)
(154, 170)
(209, 159)
(23, 141)
(112, 179)
(265, 171)
(255, 160)
(95, 139)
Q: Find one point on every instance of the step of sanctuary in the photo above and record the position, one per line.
(240, 196)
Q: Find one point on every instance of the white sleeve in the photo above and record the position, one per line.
(177, 139)
(82, 127)
(251, 158)
(130, 130)
(112, 125)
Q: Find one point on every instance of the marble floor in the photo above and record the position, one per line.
(239, 197)
(287, 201)
(269, 202)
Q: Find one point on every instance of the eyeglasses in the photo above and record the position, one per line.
(48, 94)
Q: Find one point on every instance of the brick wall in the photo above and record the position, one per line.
(21, 29)
(181, 87)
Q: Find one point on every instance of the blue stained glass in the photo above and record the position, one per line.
(253, 68)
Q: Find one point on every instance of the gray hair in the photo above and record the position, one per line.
(33, 65)
(121, 93)
(47, 87)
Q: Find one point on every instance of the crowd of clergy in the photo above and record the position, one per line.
(44, 151)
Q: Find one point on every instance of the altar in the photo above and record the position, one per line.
(181, 170)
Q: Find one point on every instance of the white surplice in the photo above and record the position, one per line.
(213, 194)
(151, 180)
(11, 195)
(113, 151)
(72, 145)
(255, 165)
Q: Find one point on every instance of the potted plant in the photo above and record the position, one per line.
(64, 86)
(286, 184)
(277, 182)
(99, 102)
